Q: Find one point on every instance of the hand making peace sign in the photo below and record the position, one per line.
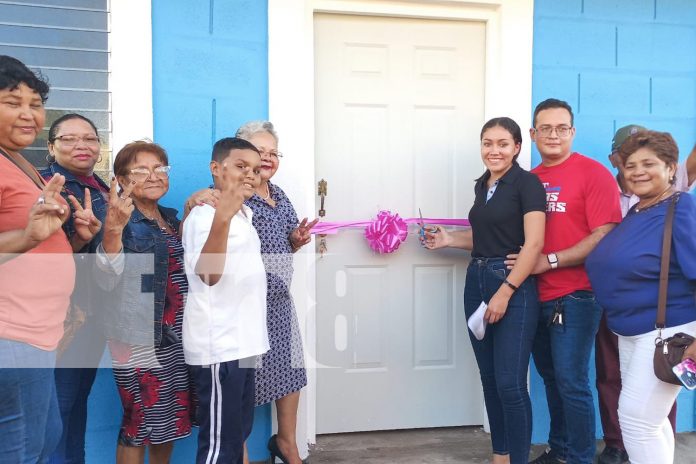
(120, 207)
(231, 192)
(302, 234)
(48, 213)
(86, 223)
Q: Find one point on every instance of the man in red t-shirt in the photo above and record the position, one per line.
(581, 207)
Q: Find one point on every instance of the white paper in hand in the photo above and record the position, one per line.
(477, 324)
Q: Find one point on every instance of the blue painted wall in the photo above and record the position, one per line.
(616, 62)
(209, 76)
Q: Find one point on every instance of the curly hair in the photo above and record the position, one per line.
(13, 73)
(660, 143)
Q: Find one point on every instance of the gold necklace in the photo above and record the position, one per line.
(655, 201)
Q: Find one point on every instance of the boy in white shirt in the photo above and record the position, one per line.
(225, 314)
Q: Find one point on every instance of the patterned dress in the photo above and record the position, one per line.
(281, 370)
(154, 384)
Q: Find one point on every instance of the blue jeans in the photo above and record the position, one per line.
(75, 372)
(72, 387)
(29, 420)
(562, 356)
(503, 356)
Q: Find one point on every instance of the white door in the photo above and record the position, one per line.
(399, 106)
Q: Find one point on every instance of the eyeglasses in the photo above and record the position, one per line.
(561, 131)
(142, 174)
(71, 140)
(272, 154)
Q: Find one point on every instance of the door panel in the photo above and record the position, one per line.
(399, 103)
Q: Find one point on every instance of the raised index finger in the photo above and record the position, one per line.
(127, 190)
(53, 186)
(88, 199)
(113, 190)
(76, 204)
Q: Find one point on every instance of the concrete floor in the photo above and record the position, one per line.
(433, 446)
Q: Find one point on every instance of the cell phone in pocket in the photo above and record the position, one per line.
(686, 372)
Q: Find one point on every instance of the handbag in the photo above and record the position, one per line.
(669, 351)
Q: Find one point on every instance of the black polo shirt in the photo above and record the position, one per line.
(498, 226)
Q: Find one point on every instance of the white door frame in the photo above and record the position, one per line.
(131, 92)
(508, 68)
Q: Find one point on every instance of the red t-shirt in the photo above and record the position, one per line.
(35, 287)
(580, 196)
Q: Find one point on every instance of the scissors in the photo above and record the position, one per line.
(421, 231)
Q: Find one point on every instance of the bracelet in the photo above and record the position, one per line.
(511, 285)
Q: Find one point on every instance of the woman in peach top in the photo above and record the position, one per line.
(37, 272)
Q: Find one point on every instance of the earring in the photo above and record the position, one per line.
(99, 160)
(50, 159)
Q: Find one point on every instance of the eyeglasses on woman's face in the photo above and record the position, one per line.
(271, 154)
(72, 140)
(142, 174)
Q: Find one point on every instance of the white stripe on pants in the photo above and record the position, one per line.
(645, 400)
(215, 415)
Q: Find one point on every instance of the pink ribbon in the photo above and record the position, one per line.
(387, 231)
(330, 228)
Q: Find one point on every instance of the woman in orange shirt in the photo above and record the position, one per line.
(37, 272)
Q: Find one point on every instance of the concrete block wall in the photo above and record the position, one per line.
(616, 62)
(209, 76)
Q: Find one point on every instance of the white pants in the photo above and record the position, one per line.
(645, 400)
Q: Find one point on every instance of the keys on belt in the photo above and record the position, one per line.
(557, 314)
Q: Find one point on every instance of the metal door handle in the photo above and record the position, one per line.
(322, 193)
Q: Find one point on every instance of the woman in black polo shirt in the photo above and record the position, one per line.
(508, 216)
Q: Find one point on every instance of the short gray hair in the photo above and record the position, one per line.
(249, 129)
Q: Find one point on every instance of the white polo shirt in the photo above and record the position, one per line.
(226, 321)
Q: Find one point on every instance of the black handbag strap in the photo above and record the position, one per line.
(664, 264)
(13, 161)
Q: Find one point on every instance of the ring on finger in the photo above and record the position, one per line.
(41, 200)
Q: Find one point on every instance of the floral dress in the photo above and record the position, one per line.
(153, 382)
(281, 370)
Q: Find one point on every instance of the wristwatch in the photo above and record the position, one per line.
(553, 260)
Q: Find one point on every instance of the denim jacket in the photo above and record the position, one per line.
(87, 294)
(135, 303)
(75, 187)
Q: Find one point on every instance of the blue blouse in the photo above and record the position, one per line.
(624, 268)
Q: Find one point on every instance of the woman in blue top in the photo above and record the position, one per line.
(74, 150)
(624, 270)
(281, 374)
(508, 217)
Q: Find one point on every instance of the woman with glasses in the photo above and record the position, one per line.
(140, 262)
(74, 150)
(281, 374)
